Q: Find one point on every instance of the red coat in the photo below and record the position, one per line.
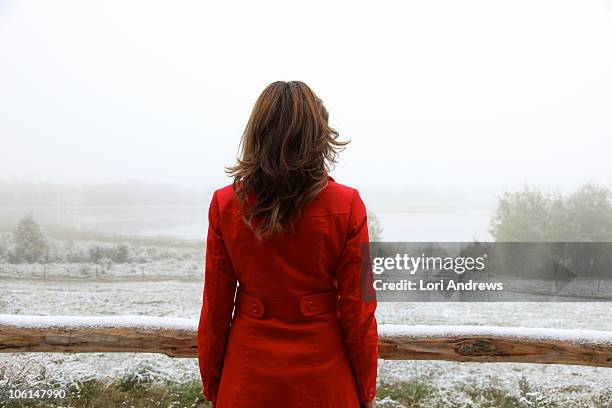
(324, 360)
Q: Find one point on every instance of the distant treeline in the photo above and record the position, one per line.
(129, 193)
(535, 216)
(27, 244)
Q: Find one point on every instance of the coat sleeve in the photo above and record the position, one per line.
(217, 305)
(357, 302)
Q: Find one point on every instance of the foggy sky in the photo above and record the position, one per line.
(440, 94)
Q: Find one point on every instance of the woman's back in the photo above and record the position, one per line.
(298, 262)
(288, 308)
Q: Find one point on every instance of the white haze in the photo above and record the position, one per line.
(446, 98)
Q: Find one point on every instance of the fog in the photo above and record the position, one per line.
(452, 101)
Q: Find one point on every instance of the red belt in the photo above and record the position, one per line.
(299, 307)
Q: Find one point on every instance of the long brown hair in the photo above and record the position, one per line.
(287, 150)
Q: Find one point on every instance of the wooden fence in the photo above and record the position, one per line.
(176, 337)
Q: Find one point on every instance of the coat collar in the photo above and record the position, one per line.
(330, 178)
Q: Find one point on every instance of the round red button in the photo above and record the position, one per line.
(310, 306)
(254, 307)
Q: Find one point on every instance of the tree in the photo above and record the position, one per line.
(96, 253)
(589, 213)
(3, 252)
(30, 244)
(122, 253)
(374, 227)
(521, 216)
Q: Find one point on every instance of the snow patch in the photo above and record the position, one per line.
(75, 322)
(570, 335)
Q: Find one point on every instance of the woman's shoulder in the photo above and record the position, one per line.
(224, 192)
(336, 198)
(223, 197)
(339, 190)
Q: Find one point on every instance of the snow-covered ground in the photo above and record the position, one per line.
(173, 268)
(182, 299)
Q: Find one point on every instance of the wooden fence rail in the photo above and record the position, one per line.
(176, 337)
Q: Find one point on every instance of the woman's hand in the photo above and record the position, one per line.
(371, 404)
(211, 404)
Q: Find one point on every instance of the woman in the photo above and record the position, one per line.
(303, 331)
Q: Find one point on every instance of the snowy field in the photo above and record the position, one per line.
(173, 298)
